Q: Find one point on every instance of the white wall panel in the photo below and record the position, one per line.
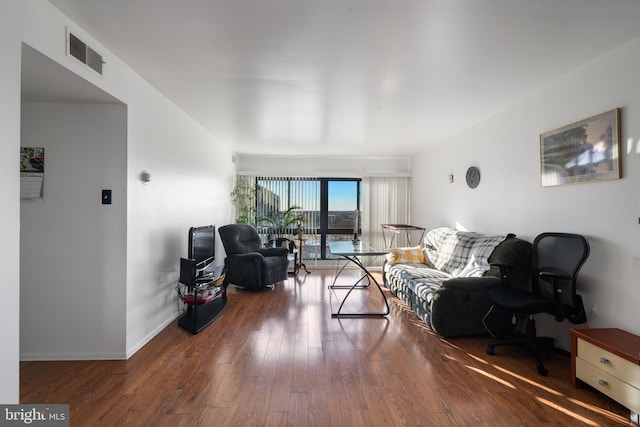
(510, 197)
(10, 19)
(73, 248)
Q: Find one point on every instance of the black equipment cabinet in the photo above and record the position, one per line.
(205, 295)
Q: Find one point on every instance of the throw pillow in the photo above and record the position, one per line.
(413, 255)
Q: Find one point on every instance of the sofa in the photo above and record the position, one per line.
(446, 279)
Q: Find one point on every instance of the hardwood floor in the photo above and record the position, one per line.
(277, 358)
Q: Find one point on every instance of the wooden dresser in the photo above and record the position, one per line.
(609, 361)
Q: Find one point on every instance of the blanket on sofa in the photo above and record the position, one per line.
(447, 253)
(459, 253)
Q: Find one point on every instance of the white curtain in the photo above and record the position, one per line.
(385, 200)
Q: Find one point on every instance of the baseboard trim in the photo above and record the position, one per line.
(134, 349)
(49, 357)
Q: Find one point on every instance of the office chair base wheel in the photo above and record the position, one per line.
(542, 370)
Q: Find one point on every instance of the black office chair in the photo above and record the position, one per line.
(556, 260)
(249, 265)
(293, 253)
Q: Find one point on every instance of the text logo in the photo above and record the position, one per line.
(34, 415)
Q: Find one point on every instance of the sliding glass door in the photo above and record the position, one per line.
(342, 213)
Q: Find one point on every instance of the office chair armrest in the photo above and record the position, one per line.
(501, 265)
(554, 273)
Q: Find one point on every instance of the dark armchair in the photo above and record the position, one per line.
(556, 261)
(249, 265)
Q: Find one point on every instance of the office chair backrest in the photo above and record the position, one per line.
(285, 243)
(563, 253)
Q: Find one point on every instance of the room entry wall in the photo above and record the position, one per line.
(72, 247)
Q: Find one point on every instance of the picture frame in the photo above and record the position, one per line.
(31, 173)
(584, 151)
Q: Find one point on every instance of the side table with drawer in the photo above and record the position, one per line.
(608, 359)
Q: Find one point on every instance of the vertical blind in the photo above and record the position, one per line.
(385, 200)
(278, 194)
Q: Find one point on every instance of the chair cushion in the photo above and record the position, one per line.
(423, 281)
(412, 255)
(518, 301)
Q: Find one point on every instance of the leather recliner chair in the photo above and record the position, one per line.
(248, 264)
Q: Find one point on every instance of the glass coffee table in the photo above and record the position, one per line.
(353, 253)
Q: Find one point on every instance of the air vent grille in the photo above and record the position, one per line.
(79, 50)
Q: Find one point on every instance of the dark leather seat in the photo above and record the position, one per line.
(249, 265)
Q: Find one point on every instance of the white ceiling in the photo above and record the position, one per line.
(351, 77)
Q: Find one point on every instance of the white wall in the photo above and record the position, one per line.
(191, 184)
(323, 166)
(510, 197)
(192, 175)
(10, 47)
(73, 248)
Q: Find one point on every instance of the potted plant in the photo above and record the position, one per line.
(280, 223)
(243, 198)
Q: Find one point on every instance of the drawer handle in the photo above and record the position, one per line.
(602, 383)
(604, 360)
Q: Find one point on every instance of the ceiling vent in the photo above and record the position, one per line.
(79, 50)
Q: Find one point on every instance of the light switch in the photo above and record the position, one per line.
(106, 197)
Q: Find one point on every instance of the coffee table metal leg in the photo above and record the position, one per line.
(370, 277)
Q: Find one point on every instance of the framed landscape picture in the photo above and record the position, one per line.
(584, 151)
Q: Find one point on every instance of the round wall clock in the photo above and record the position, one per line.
(473, 177)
